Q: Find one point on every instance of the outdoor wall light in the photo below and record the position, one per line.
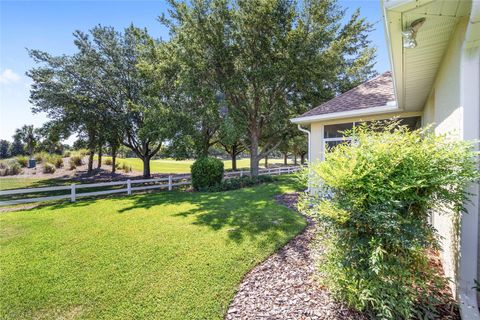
(410, 34)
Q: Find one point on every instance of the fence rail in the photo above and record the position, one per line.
(158, 183)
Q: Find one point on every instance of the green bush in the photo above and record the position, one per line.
(82, 152)
(206, 173)
(125, 167)
(48, 168)
(40, 157)
(75, 160)
(67, 153)
(22, 161)
(108, 161)
(54, 159)
(373, 206)
(10, 167)
(238, 183)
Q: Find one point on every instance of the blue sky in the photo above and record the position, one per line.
(48, 26)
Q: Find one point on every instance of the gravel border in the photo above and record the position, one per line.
(283, 286)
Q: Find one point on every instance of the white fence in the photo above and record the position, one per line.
(129, 186)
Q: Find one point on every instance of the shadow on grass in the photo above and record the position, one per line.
(244, 213)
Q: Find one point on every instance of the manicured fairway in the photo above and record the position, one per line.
(183, 166)
(169, 255)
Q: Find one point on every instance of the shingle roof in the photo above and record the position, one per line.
(376, 92)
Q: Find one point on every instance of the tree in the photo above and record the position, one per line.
(29, 137)
(271, 59)
(17, 147)
(4, 149)
(231, 138)
(101, 88)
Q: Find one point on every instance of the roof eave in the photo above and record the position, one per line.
(390, 107)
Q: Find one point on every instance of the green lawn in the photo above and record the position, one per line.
(18, 183)
(183, 166)
(168, 255)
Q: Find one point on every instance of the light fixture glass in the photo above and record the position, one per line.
(410, 34)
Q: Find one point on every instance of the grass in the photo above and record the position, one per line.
(18, 183)
(183, 166)
(168, 255)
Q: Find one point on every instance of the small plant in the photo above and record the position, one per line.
(48, 168)
(75, 160)
(22, 161)
(82, 152)
(55, 159)
(10, 167)
(40, 156)
(125, 167)
(373, 206)
(238, 183)
(206, 173)
(108, 161)
(67, 153)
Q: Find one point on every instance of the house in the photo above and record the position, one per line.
(434, 48)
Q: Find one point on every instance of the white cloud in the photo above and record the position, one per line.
(9, 76)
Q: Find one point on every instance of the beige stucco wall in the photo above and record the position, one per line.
(443, 109)
(316, 128)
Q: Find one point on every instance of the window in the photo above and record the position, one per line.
(333, 134)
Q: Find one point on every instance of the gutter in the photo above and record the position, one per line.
(390, 107)
(309, 152)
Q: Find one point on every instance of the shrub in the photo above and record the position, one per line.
(108, 161)
(206, 172)
(48, 168)
(125, 167)
(373, 207)
(54, 159)
(22, 161)
(67, 154)
(75, 160)
(238, 183)
(82, 152)
(40, 156)
(9, 167)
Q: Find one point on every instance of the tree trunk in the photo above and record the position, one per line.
(90, 161)
(233, 155)
(100, 151)
(266, 161)
(146, 167)
(295, 159)
(285, 158)
(254, 154)
(114, 158)
(302, 158)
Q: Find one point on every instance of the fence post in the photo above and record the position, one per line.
(279, 171)
(241, 173)
(169, 182)
(72, 192)
(129, 187)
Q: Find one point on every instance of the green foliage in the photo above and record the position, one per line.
(67, 153)
(55, 159)
(75, 161)
(238, 183)
(40, 156)
(4, 149)
(126, 167)
(23, 161)
(374, 204)
(206, 172)
(108, 161)
(9, 167)
(49, 168)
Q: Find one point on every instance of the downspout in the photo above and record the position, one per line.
(309, 154)
(469, 233)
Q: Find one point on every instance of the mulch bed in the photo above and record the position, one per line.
(284, 285)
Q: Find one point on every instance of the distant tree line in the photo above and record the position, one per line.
(231, 76)
(27, 140)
